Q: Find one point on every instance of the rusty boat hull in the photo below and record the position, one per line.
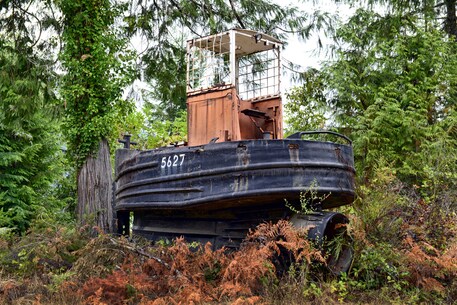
(216, 192)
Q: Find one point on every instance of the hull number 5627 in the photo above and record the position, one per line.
(172, 161)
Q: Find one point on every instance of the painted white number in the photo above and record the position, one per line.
(172, 161)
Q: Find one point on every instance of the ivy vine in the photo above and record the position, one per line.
(98, 67)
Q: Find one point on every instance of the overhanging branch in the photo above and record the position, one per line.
(236, 14)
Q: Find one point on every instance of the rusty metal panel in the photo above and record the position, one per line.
(219, 114)
(252, 128)
(213, 114)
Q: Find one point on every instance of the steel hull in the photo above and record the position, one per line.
(233, 174)
(217, 192)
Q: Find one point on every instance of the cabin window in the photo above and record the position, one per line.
(244, 59)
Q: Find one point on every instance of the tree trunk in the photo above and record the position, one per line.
(451, 18)
(95, 190)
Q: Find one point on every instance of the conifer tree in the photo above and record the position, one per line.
(29, 143)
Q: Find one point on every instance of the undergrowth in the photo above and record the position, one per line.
(405, 252)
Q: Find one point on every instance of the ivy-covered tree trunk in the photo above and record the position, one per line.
(95, 190)
(97, 66)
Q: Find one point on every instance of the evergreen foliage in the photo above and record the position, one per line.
(30, 158)
(392, 87)
(308, 109)
(28, 140)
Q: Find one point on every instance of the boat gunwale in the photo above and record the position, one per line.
(231, 170)
(222, 145)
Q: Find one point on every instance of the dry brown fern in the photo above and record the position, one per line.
(255, 300)
(428, 266)
(179, 275)
(283, 234)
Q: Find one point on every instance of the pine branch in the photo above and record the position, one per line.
(236, 14)
(26, 11)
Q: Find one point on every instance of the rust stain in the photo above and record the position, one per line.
(339, 156)
(243, 156)
(294, 152)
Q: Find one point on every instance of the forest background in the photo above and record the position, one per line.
(66, 96)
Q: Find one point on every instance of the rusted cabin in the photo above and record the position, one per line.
(233, 87)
